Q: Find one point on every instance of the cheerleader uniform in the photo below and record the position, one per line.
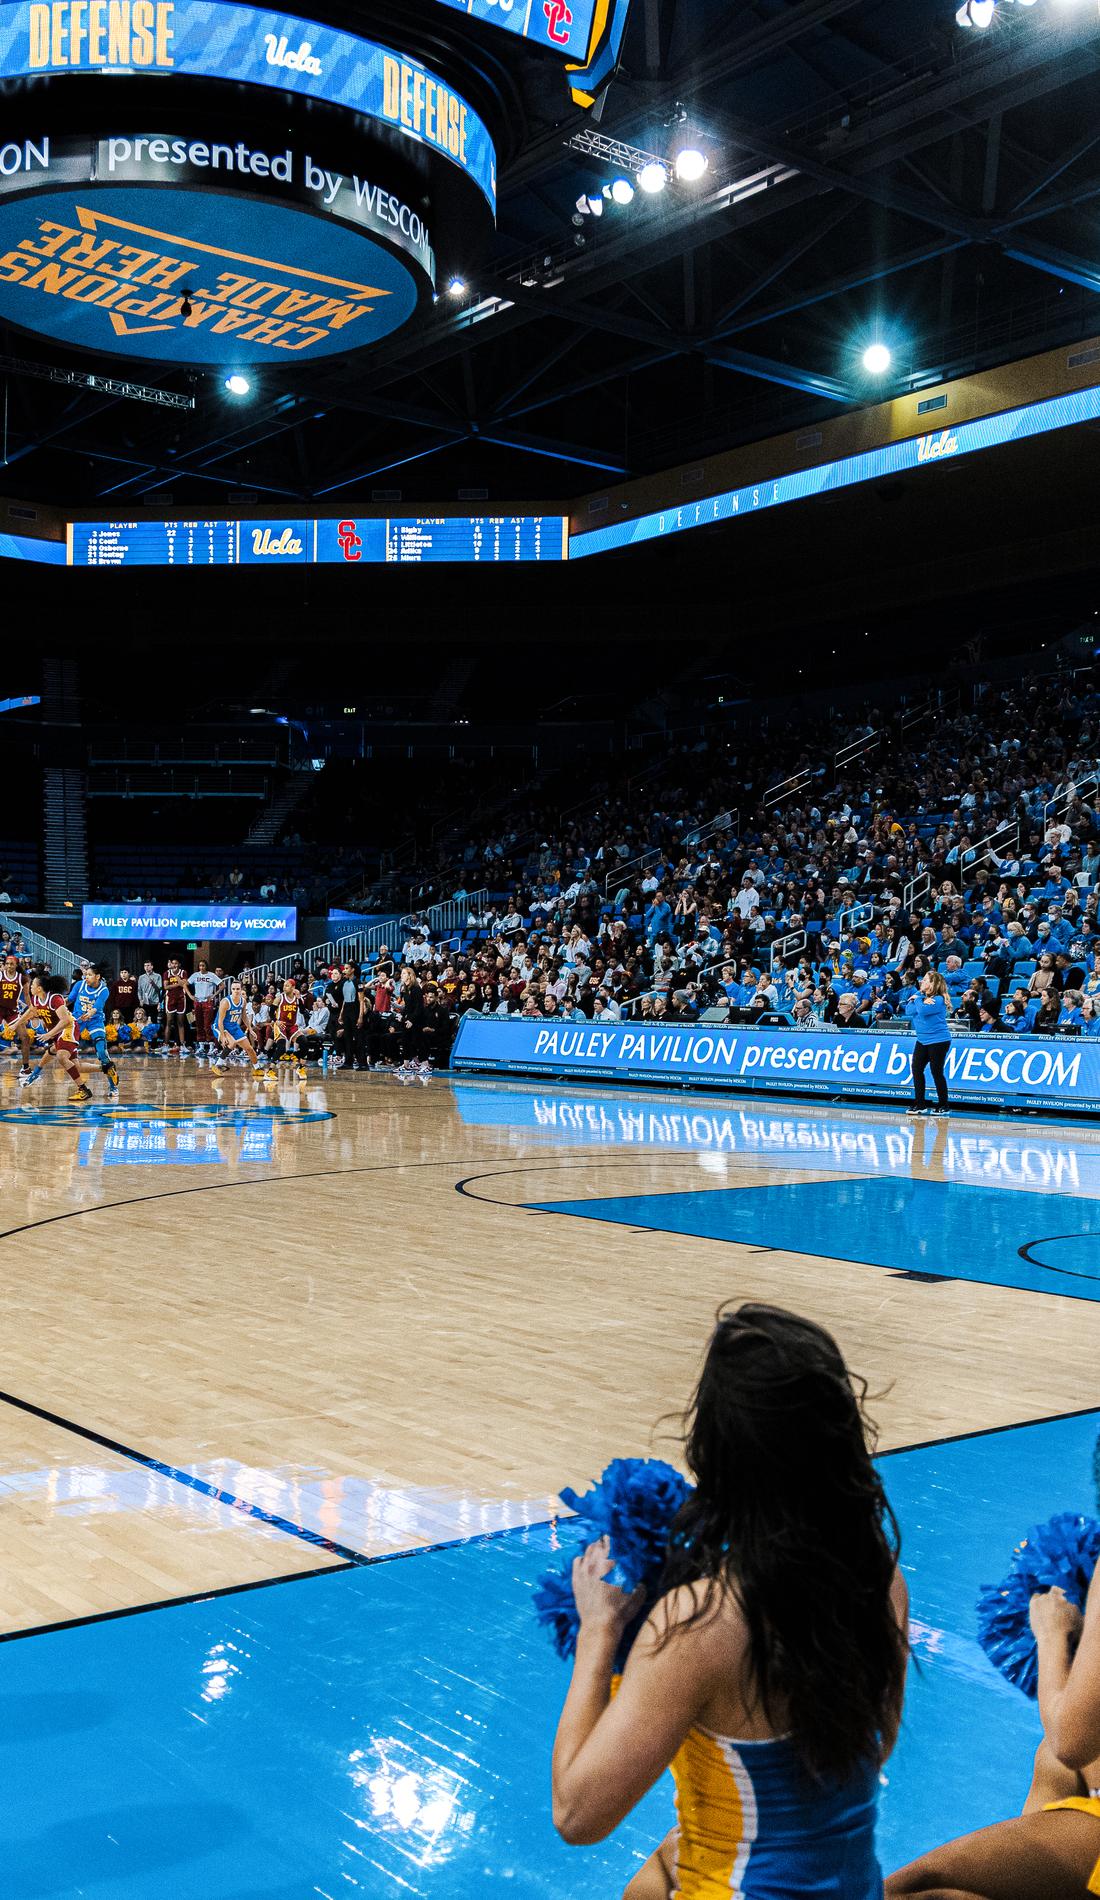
(755, 1825)
(1084, 1804)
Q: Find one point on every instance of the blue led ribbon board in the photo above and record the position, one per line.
(926, 451)
(25, 547)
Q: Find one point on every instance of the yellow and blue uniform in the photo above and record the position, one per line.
(755, 1825)
(1084, 1804)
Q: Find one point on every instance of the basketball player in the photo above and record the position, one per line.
(49, 1012)
(233, 1028)
(289, 1024)
(88, 1000)
(175, 1007)
(13, 1000)
(203, 987)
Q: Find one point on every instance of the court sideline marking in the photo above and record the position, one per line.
(350, 1559)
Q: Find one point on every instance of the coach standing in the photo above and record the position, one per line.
(203, 987)
(150, 992)
(927, 1012)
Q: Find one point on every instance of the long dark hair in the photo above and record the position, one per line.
(789, 1514)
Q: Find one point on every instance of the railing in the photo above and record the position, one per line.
(787, 947)
(452, 914)
(917, 714)
(41, 949)
(364, 943)
(634, 1002)
(917, 888)
(1068, 795)
(854, 750)
(858, 914)
(788, 787)
(726, 820)
(1005, 837)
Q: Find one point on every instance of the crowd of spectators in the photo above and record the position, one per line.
(964, 840)
(967, 843)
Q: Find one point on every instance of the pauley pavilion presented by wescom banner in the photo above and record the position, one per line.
(1040, 1072)
(165, 923)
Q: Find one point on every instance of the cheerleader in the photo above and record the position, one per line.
(771, 1672)
(1052, 1851)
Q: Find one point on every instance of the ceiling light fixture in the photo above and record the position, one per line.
(691, 163)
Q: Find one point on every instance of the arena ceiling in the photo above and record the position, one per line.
(874, 171)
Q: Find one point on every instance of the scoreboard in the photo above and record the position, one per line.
(302, 543)
(565, 27)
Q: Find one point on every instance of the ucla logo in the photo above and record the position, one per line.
(933, 448)
(264, 542)
(62, 1115)
(303, 61)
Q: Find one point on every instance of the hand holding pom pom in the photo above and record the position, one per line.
(599, 1601)
(631, 1510)
(1052, 1615)
(1042, 1596)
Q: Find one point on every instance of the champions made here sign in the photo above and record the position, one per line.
(221, 923)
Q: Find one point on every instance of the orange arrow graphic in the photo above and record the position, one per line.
(91, 219)
(121, 328)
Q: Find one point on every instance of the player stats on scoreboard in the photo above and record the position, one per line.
(406, 539)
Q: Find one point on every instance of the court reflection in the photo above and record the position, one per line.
(1044, 1157)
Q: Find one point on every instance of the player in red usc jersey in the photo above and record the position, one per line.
(175, 1007)
(289, 1024)
(13, 1001)
(49, 1012)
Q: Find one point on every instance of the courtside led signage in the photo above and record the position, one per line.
(1028, 1071)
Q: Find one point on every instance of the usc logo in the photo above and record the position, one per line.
(558, 21)
(351, 547)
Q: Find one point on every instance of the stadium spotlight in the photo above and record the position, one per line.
(622, 191)
(691, 163)
(977, 13)
(653, 177)
(877, 359)
(456, 287)
(238, 385)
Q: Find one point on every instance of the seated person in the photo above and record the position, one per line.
(315, 1034)
(1052, 1851)
(757, 1621)
(144, 1032)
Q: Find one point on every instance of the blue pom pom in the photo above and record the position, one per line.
(633, 1506)
(1062, 1553)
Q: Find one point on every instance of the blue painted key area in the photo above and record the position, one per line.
(1041, 1243)
(386, 1730)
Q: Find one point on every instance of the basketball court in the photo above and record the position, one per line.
(291, 1377)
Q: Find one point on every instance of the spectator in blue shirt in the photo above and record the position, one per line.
(658, 918)
(927, 1012)
(955, 980)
